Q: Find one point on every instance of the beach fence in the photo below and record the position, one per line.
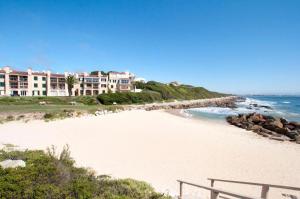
(225, 194)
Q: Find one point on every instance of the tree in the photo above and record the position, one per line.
(71, 80)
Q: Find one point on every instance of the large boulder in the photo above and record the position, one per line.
(277, 123)
(267, 126)
(292, 134)
(273, 125)
(12, 163)
(257, 118)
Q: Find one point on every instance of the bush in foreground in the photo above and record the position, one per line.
(48, 175)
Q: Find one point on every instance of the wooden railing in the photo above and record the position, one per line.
(215, 192)
(264, 187)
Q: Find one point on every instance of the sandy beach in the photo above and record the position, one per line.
(159, 148)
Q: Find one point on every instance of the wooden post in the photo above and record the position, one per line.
(213, 194)
(212, 183)
(264, 191)
(180, 190)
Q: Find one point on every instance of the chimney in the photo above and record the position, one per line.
(29, 71)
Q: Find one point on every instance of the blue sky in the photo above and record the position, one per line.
(236, 46)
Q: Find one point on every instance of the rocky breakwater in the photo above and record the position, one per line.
(215, 102)
(268, 126)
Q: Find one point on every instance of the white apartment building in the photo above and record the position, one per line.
(31, 83)
(120, 81)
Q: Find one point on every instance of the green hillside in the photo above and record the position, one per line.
(155, 91)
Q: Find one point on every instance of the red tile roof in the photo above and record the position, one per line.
(57, 75)
(18, 73)
(39, 73)
(114, 72)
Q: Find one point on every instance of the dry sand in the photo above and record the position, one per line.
(160, 148)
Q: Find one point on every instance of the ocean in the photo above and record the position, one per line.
(280, 106)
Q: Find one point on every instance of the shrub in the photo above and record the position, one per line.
(10, 118)
(49, 115)
(52, 175)
(129, 98)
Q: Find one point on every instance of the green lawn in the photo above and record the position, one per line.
(46, 108)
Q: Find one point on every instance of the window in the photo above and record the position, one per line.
(61, 80)
(95, 80)
(53, 86)
(23, 85)
(88, 92)
(23, 93)
(35, 78)
(2, 76)
(23, 78)
(61, 86)
(53, 80)
(103, 85)
(2, 84)
(81, 85)
(44, 78)
(111, 86)
(35, 85)
(89, 80)
(32, 93)
(13, 84)
(103, 79)
(103, 91)
(124, 81)
(13, 78)
(44, 92)
(44, 85)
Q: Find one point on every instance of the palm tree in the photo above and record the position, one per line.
(71, 80)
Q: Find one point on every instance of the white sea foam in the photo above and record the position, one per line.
(243, 107)
(251, 101)
(286, 102)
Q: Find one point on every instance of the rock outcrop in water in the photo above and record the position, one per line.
(267, 126)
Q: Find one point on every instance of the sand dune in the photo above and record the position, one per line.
(160, 148)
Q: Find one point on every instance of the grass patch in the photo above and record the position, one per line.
(84, 100)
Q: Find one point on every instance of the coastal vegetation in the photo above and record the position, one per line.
(52, 175)
(49, 100)
(54, 107)
(155, 91)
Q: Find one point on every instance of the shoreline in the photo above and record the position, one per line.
(72, 112)
(228, 101)
(159, 148)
